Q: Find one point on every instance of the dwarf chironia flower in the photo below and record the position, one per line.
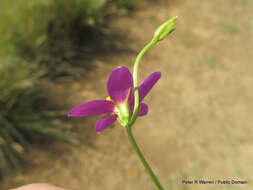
(125, 96)
(119, 104)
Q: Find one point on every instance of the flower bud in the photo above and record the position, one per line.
(165, 29)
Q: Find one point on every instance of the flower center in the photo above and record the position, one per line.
(122, 110)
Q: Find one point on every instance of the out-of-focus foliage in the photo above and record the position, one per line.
(24, 115)
(125, 3)
(28, 29)
(25, 25)
(68, 12)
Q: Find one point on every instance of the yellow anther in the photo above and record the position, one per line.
(108, 98)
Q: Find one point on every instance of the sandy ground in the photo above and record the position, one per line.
(199, 124)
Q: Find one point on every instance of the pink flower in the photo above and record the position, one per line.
(119, 104)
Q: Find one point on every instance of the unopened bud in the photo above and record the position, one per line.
(165, 29)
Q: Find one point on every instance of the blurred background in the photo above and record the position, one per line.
(56, 54)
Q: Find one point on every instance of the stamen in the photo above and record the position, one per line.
(108, 98)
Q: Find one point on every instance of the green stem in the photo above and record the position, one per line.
(163, 31)
(135, 79)
(135, 114)
(142, 158)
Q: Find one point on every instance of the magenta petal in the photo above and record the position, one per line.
(105, 122)
(143, 109)
(146, 86)
(95, 107)
(148, 83)
(119, 83)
